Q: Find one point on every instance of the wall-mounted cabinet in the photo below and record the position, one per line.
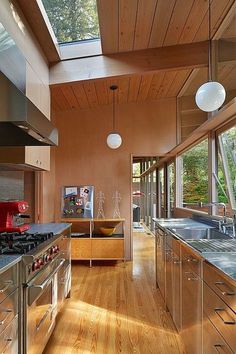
(26, 157)
(88, 243)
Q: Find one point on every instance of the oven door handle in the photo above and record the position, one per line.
(36, 290)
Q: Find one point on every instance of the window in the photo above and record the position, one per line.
(161, 193)
(136, 172)
(73, 20)
(227, 147)
(193, 176)
(171, 188)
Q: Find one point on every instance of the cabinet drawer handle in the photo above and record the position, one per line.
(220, 311)
(9, 341)
(191, 259)
(191, 276)
(227, 291)
(218, 348)
(8, 284)
(8, 313)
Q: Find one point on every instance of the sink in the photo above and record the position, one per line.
(200, 234)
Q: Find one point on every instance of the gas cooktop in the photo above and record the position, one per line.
(21, 243)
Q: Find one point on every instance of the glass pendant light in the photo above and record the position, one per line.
(211, 95)
(114, 139)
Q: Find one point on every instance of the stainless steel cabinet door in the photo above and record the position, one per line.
(160, 261)
(176, 270)
(191, 310)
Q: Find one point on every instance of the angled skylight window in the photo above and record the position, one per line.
(73, 20)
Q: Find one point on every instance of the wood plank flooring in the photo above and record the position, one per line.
(116, 309)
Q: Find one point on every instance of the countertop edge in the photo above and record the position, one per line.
(196, 251)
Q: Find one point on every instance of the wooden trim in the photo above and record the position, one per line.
(225, 22)
(225, 127)
(157, 59)
(225, 114)
(36, 16)
(188, 82)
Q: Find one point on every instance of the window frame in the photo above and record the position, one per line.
(229, 192)
(178, 175)
(168, 187)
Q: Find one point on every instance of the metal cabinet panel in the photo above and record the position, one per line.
(8, 310)
(213, 342)
(223, 318)
(8, 282)
(9, 338)
(160, 260)
(191, 331)
(223, 287)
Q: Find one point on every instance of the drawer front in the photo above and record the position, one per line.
(190, 258)
(191, 331)
(80, 248)
(213, 342)
(8, 282)
(222, 286)
(9, 338)
(8, 310)
(222, 317)
(108, 249)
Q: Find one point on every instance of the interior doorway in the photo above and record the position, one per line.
(144, 193)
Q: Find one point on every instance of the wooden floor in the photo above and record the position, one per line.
(116, 309)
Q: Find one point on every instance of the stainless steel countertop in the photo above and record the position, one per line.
(181, 222)
(56, 228)
(7, 261)
(224, 261)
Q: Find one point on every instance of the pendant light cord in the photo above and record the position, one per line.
(113, 111)
(209, 36)
(113, 88)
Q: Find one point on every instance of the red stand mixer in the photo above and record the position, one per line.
(11, 216)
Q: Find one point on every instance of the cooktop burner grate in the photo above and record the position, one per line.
(21, 243)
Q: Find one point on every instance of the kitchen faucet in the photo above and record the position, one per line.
(223, 223)
(223, 205)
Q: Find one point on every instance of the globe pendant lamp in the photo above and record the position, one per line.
(114, 139)
(211, 95)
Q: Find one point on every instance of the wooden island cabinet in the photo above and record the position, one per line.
(88, 242)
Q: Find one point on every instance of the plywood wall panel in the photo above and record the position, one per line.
(84, 158)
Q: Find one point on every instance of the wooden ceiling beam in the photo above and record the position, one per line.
(185, 56)
(227, 51)
(37, 18)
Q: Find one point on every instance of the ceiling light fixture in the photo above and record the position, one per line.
(211, 95)
(114, 139)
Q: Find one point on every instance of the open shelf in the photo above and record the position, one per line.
(88, 243)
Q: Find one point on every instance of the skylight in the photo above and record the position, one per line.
(73, 20)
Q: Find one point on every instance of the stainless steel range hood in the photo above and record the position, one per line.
(21, 122)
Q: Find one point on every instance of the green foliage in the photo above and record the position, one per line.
(228, 143)
(73, 20)
(195, 174)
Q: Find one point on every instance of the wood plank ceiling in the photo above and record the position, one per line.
(131, 88)
(141, 24)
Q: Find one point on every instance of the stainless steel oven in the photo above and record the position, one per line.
(40, 297)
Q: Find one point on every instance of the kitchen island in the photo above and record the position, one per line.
(198, 287)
